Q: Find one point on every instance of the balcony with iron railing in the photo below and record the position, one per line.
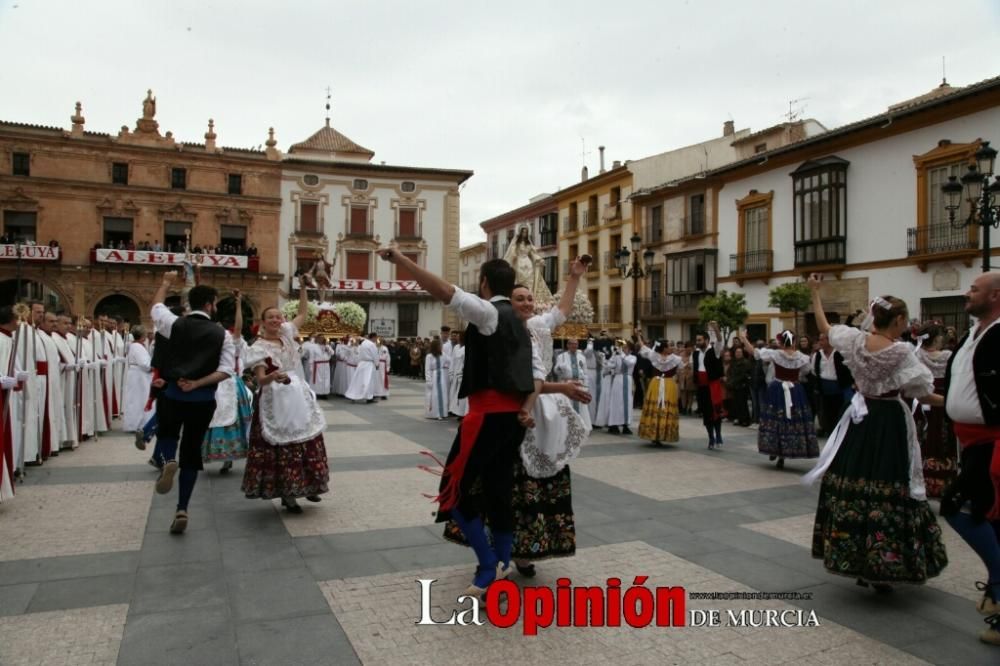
(409, 232)
(685, 304)
(611, 314)
(358, 231)
(831, 250)
(747, 264)
(613, 212)
(653, 307)
(942, 242)
(653, 234)
(590, 219)
(570, 224)
(547, 238)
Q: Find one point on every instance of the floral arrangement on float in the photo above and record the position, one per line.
(351, 314)
(582, 314)
(291, 310)
(331, 319)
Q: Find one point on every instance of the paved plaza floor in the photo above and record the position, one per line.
(90, 575)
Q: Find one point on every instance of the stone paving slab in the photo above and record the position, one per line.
(337, 417)
(71, 519)
(368, 443)
(360, 501)
(378, 613)
(114, 448)
(83, 636)
(964, 566)
(677, 474)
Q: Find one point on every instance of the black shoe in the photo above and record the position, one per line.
(528, 570)
(772, 458)
(781, 464)
(226, 466)
(314, 498)
(613, 430)
(626, 431)
(140, 443)
(291, 505)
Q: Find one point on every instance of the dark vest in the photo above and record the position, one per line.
(161, 347)
(986, 366)
(844, 377)
(501, 361)
(193, 349)
(713, 364)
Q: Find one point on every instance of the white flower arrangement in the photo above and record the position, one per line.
(291, 310)
(351, 314)
(582, 312)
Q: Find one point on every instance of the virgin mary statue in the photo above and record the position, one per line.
(527, 264)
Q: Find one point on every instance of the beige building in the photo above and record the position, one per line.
(471, 258)
(540, 217)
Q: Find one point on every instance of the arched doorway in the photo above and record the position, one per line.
(225, 312)
(119, 305)
(29, 290)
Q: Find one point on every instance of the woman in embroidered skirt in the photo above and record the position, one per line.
(787, 428)
(226, 438)
(659, 421)
(873, 521)
(287, 458)
(938, 446)
(436, 367)
(543, 505)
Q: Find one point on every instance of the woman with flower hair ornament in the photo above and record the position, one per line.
(873, 521)
(787, 428)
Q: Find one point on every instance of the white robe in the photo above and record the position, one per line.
(342, 370)
(137, 381)
(12, 418)
(362, 385)
(457, 406)
(594, 363)
(118, 369)
(87, 416)
(573, 367)
(382, 373)
(28, 436)
(318, 367)
(53, 410)
(67, 355)
(102, 350)
(96, 372)
(620, 413)
(608, 370)
(436, 386)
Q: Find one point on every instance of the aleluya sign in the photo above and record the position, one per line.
(170, 258)
(30, 252)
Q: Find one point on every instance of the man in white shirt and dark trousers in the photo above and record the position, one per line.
(497, 378)
(972, 401)
(200, 354)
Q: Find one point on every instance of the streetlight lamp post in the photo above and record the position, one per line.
(984, 198)
(637, 270)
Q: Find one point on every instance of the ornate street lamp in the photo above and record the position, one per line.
(984, 198)
(637, 270)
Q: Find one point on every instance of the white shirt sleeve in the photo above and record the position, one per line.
(476, 310)
(163, 319)
(227, 359)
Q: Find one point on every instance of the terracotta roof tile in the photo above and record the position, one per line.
(329, 140)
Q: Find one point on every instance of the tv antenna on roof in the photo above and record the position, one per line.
(795, 112)
(583, 151)
(328, 106)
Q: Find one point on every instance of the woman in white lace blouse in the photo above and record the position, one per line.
(873, 521)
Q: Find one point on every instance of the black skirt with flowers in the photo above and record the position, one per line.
(867, 524)
(289, 470)
(543, 516)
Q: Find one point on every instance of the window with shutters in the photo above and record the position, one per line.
(21, 164)
(357, 265)
(117, 230)
(696, 215)
(235, 183)
(401, 272)
(409, 315)
(20, 225)
(820, 211)
(178, 178)
(119, 173)
(408, 223)
(359, 221)
(308, 217)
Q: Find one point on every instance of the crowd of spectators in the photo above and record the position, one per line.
(178, 246)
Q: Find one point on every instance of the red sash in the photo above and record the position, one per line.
(481, 403)
(715, 394)
(970, 434)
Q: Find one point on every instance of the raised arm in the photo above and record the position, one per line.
(436, 286)
(161, 292)
(715, 338)
(815, 281)
(303, 313)
(576, 269)
(238, 324)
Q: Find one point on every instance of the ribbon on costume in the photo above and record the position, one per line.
(969, 434)
(481, 403)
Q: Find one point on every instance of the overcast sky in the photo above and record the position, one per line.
(506, 89)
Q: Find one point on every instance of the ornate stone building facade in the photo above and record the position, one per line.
(104, 199)
(338, 205)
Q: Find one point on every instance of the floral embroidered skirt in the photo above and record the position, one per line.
(867, 524)
(785, 437)
(289, 470)
(938, 447)
(659, 423)
(543, 516)
(230, 442)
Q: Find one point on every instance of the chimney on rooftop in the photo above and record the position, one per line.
(601, 148)
(728, 128)
(584, 173)
(616, 164)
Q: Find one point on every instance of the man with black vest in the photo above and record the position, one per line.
(496, 379)
(835, 382)
(972, 401)
(707, 365)
(199, 355)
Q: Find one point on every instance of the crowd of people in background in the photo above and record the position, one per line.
(235, 249)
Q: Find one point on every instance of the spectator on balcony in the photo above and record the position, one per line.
(156, 246)
(6, 239)
(130, 245)
(53, 243)
(252, 250)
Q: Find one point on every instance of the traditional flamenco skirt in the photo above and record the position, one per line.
(229, 442)
(785, 437)
(867, 524)
(289, 470)
(543, 516)
(659, 422)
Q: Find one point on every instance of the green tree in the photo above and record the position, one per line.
(729, 310)
(791, 297)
